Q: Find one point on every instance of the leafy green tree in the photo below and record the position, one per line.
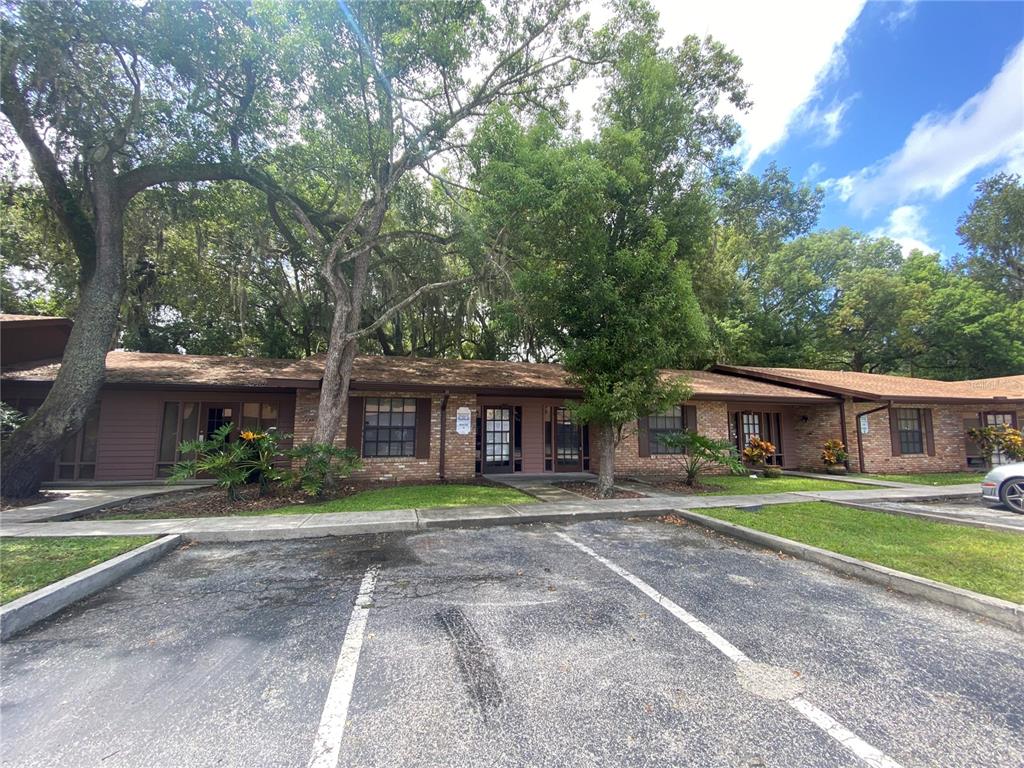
(598, 268)
(109, 99)
(394, 91)
(965, 330)
(992, 231)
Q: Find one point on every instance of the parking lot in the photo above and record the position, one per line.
(608, 643)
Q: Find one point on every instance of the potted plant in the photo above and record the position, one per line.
(756, 455)
(834, 456)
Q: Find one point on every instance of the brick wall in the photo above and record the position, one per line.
(948, 428)
(712, 421)
(822, 423)
(460, 450)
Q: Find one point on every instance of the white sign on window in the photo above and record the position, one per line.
(463, 418)
(863, 425)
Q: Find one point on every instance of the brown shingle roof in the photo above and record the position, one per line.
(375, 372)
(876, 386)
(178, 370)
(33, 319)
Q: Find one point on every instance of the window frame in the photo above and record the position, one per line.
(409, 406)
(915, 447)
(654, 446)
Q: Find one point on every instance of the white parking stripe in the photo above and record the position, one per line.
(870, 755)
(327, 745)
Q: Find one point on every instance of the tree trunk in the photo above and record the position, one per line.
(606, 465)
(31, 451)
(341, 353)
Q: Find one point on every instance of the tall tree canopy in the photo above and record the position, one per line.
(109, 99)
(992, 231)
(600, 231)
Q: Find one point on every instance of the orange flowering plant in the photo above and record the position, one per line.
(998, 437)
(758, 451)
(834, 453)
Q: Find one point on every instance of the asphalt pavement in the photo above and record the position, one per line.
(611, 643)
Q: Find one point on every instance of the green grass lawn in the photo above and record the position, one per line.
(741, 484)
(990, 562)
(26, 564)
(932, 478)
(410, 496)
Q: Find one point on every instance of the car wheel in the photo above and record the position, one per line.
(1012, 494)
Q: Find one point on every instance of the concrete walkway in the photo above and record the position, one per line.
(853, 479)
(256, 528)
(544, 487)
(81, 501)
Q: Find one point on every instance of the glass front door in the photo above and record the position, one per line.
(567, 442)
(497, 440)
(995, 420)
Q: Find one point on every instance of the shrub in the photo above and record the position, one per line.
(229, 463)
(999, 437)
(321, 466)
(10, 419)
(701, 453)
(834, 453)
(758, 451)
(1013, 444)
(263, 451)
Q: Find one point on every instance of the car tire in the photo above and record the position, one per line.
(1011, 493)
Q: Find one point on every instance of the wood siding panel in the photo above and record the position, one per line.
(130, 422)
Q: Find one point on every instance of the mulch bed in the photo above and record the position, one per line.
(214, 502)
(584, 488)
(40, 498)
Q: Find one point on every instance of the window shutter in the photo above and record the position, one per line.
(690, 418)
(642, 437)
(354, 428)
(894, 433)
(929, 432)
(422, 427)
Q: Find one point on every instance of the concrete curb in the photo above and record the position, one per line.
(1000, 611)
(415, 520)
(34, 607)
(935, 517)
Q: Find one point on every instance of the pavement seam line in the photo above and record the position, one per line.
(327, 744)
(871, 756)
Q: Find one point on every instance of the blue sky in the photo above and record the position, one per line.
(903, 66)
(897, 108)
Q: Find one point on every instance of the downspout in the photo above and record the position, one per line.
(444, 431)
(844, 436)
(860, 440)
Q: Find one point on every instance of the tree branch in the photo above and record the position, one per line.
(390, 311)
(70, 214)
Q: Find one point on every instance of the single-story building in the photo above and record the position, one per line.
(426, 419)
(901, 424)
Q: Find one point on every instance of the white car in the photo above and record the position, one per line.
(1005, 484)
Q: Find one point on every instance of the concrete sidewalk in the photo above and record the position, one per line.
(239, 528)
(80, 501)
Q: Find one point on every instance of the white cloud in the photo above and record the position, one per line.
(814, 170)
(788, 49)
(903, 11)
(906, 227)
(827, 121)
(943, 149)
